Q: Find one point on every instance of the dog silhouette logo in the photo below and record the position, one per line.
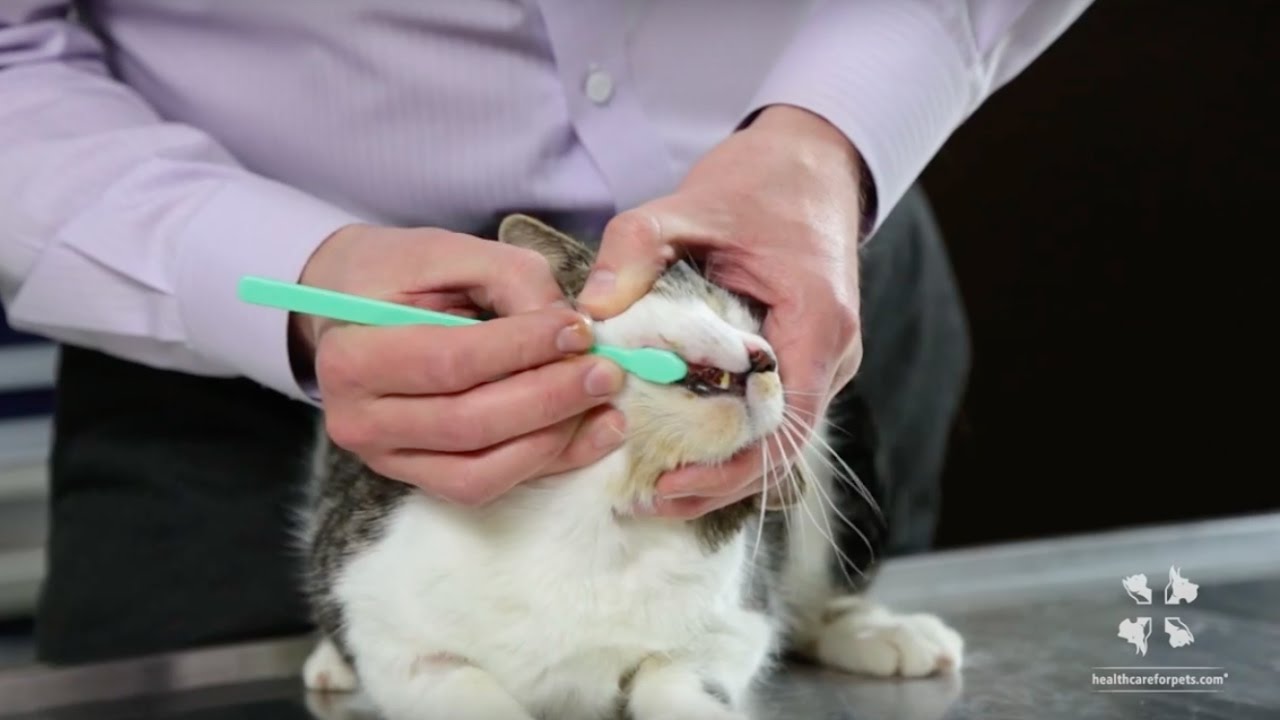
(1179, 588)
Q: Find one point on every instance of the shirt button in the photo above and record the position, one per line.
(599, 86)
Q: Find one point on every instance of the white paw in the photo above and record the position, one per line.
(326, 671)
(862, 637)
(696, 711)
(673, 692)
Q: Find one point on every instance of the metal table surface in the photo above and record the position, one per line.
(1040, 621)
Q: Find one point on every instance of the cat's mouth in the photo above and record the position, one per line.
(707, 381)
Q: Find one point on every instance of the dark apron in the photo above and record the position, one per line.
(171, 493)
(171, 500)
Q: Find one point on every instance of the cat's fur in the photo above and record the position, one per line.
(557, 602)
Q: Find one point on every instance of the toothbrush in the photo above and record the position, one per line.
(652, 364)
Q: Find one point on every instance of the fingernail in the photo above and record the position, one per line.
(611, 433)
(604, 378)
(574, 338)
(600, 283)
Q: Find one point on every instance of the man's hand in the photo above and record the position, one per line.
(775, 211)
(464, 413)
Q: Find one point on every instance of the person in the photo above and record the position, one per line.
(153, 152)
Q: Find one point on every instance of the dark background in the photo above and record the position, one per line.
(1107, 214)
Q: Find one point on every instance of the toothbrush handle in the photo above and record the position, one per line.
(660, 366)
(339, 306)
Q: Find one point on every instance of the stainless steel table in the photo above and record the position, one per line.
(1041, 620)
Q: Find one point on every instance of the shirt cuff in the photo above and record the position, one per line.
(252, 226)
(894, 77)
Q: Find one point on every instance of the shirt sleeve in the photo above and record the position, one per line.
(898, 78)
(125, 233)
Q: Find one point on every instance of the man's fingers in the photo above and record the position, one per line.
(506, 279)
(420, 359)
(479, 477)
(633, 253)
(713, 480)
(697, 506)
(637, 247)
(727, 484)
(492, 413)
(602, 431)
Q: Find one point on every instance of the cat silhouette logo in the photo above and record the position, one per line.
(1179, 588)
(1136, 632)
(1136, 586)
(1178, 632)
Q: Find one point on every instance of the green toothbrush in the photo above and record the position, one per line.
(652, 364)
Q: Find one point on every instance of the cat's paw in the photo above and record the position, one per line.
(326, 671)
(695, 711)
(662, 690)
(863, 637)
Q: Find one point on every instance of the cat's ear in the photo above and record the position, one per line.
(570, 260)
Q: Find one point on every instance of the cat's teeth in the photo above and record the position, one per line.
(725, 380)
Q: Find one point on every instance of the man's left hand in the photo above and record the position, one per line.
(774, 210)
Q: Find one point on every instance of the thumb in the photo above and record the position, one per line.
(636, 248)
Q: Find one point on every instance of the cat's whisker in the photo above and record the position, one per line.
(788, 434)
(835, 508)
(828, 534)
(840, 429)
(764, 501)
(800, 416)
(692, 261)
(844, 473)
(787, 477)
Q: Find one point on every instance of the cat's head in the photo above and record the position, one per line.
(733, 394)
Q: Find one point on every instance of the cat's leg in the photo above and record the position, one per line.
(833, 539)
(326, 671)
(709, 683)
(407, 685)
(861, 636)
(674, 689)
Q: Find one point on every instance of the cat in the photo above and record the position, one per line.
(558, 601)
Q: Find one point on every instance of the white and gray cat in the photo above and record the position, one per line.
(558, 601)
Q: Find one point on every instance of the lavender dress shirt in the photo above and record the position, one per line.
(146, 167)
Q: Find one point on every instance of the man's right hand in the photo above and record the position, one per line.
(464, 413)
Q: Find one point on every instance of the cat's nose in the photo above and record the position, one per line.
(761, 360)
